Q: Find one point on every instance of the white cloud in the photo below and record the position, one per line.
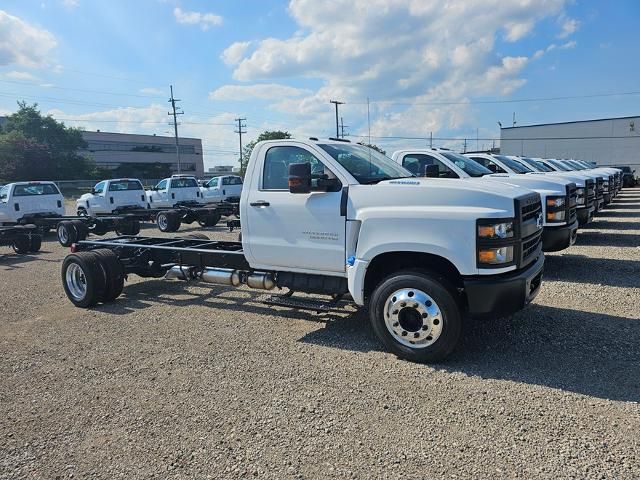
(268, 91)
(204, 20)
(405, 51)
(568, 45)
(568, 27)
(70, 3)
(234, 52)
(22, 43)
(15, 75)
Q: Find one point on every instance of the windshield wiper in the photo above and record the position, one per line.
(377, 180)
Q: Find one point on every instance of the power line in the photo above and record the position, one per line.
(102, 92)
(461, 139)
(89, 120)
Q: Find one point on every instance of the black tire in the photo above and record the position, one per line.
(82, 212)
(135, 227)
(99, 228)
(240, 237)
(197, 236)
(209, 220)
(67, 233)
(21, 244)
(35, 242)
(84, 268)
(128, 227)
(113, 272)
(168, 221)
(440, 292)
(81, 229)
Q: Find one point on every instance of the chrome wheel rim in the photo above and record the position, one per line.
(162, 222)
(413, 318)
(63, 235)
(76, 281)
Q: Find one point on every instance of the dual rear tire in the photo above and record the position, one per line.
(92, 277)
(168, 221)
(27, 243)
(71, 231)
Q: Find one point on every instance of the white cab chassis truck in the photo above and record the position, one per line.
(341, 221)
(174, 191)
(558, 196)
(227, 188)
(23, 238)
(22, 202)
(112, 196)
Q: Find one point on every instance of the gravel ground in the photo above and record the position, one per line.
(184, 381)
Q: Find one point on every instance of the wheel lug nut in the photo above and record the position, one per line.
(425, 328)
(416, 335)
(403, 304)
(428, 303)
(415, 305)
(395, 312)
(404, 334)
(395, 324)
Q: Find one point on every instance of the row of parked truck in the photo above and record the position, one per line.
(119, 205)
(421, 239)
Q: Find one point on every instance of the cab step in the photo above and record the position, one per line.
(318, 306)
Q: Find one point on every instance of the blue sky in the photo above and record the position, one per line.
(108, 65)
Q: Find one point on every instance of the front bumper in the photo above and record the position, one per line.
(599, 203)
(555, 239)
(585, 215)
(504, 294)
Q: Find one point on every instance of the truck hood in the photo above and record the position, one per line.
(550, 186)
(482, 198)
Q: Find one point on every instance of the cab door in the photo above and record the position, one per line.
(159, 196)
(97, 202)
(293, 231)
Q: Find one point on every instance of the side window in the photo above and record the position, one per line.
(235, 181)
(416, 164)
(162, 185)
(4, 194)
(213, 183)
(99, 188)
(275, 173)
(226, 181)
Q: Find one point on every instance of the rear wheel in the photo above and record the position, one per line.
(66, 233)
(82, 231)
(128, 227)
(416, 316)
(83, 279)
(168, 221)
(21, 244)
(209, 220)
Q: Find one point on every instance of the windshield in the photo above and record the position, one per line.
(365, 164)
(4, 193)
(537, 166)
(513, 165)
(559, 165)
(469, 166)
(576, 165)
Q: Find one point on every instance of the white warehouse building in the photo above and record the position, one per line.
(605, 141)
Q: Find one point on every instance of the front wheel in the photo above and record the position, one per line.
(416, 316)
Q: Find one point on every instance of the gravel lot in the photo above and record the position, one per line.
(184, 381)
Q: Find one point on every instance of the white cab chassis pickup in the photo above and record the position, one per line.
(331, 218)
(111, 196)
(558, 196)
(227, 188)
(173, 191)
(21, 202)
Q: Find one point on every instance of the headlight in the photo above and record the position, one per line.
(496, 230)
(556, 216)
(495, 256)
(556, 202)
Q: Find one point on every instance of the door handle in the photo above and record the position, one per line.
(260, 203)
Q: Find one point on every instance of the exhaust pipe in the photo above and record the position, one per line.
(223, 276)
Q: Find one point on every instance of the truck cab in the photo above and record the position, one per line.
(558, 195)
(114, 195)
(227, 188)
(24, 200)
(173, 191)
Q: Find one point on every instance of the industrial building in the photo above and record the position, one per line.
(144, 156)
(606, 141)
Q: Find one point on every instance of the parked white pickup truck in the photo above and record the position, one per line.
(173, 191)
(558, 195)
(109, 196)
(26, 200)
(227, 188)
(328, 217)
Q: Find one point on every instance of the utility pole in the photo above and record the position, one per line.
(514, 119)
(240, 131)
(336, 102)
(369, 120)
(175, 114)
(477, 141)
(430, 139)
(342, 126)
(465, 146)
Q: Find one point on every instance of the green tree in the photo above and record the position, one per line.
(266, 135)
(37, 147)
